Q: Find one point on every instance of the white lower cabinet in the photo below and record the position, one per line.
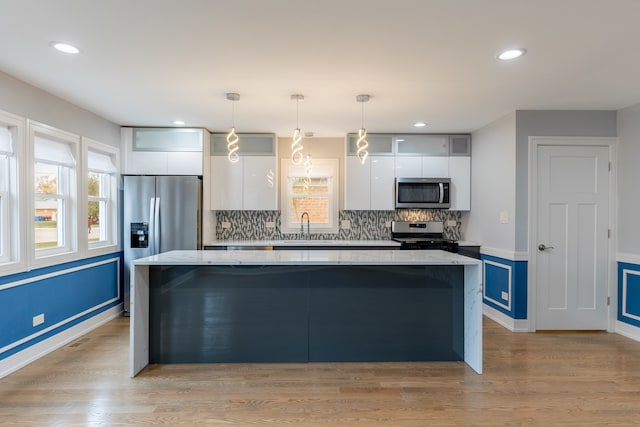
(369, 186)
(460, 174)
(249, 184)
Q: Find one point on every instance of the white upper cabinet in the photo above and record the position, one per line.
(409, 167)
(163, 151)
(372, 185)
(460, 174)
(382, 183)
(435, 167)
(250, 183)
(357, 195)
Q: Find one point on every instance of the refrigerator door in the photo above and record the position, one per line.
(139, 201)
(178, 201)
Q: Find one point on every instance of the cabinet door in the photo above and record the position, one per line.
(382, 183)
(408, 167)
(259, 183)
(147, 162)
(358, 184)
(184, 163)
(226, 184)
(460, 173)
(435, 167)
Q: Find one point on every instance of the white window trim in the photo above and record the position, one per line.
(112, 243)
(289, 224)
(69, 251)
(16, 229)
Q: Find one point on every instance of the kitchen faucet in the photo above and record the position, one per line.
(302, 225)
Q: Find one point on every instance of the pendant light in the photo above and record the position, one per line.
(308, 167)
(232, 137)
(362, 144)
(296, 147)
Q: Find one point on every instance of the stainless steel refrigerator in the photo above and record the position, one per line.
(160, 214)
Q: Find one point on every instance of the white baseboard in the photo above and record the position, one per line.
(514, 325)
(36, 351)
(627, 330)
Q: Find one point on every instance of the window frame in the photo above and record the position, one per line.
(13, 258)
(289, 222)
(111, 243)
(68, 251)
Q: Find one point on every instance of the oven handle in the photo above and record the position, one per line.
(441, 192)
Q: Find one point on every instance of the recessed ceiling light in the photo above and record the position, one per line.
(178, 122)
(64, 47)
(510, 54)
(419, 124)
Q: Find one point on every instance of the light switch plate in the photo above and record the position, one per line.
(226, 224)
(451, 223)
(346, 224)
(504, 217)
(505, 296)
(270, 224)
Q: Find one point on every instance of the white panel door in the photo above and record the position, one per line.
(460, 190)
(572, 227)
(409, 166)
(226, 184)
(382, 183)
(435, 167)
(357, 195)
(259, 183)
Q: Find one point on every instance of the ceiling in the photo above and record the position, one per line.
(148, 62)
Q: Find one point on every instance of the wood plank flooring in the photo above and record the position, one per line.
(575, 379)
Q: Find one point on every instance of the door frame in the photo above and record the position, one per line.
(534, 143)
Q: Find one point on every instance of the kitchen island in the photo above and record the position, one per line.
(305, 306)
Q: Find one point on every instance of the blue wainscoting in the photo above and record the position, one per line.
(505, 285)
(629, 293)
(66, 294)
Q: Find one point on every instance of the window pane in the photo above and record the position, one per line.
(46, 179)
(97, 221)
(48, 229)
(4, 173)
(93, 184)
(311, 196)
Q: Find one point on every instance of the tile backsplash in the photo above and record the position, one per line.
(365, 225)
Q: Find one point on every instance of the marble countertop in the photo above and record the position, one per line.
(389, 243)
(308, 257)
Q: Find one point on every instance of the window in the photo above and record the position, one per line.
(11, 133)
(313, 191)
(101, 194)
(55, 191)
(6, 151)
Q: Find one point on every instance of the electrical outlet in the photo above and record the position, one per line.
(504, 217)
(346, 224)
(271, 224)
(38, 320)
(505, 296)
(226, 224)
(387, 224)
(451, 223)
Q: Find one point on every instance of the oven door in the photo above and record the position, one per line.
(422, 193)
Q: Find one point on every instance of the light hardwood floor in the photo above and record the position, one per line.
(575, 379)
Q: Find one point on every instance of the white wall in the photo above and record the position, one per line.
(493, 185)
(20, 98)
(628, 180)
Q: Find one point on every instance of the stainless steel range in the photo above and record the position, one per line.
(422, 235)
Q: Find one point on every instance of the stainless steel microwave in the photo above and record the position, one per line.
(423, 193)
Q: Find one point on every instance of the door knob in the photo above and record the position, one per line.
(542, 247)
